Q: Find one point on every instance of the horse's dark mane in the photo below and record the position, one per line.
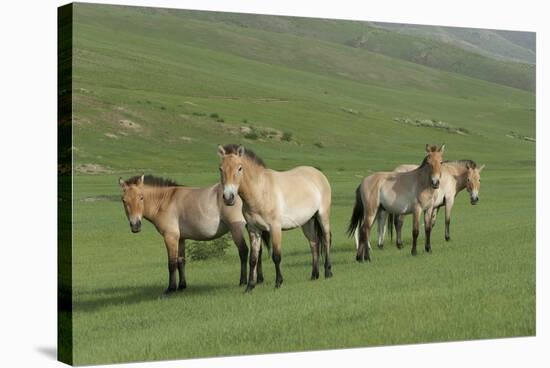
(154, 181)
(469, 163)
(424, 161)
(232, 149)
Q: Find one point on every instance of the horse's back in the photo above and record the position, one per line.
(405, 168)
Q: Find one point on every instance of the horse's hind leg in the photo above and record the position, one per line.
(238, 238)
(324, 220)
(364, 238)
(381, 217)
(259, 270)
(398, 223)
(276, 237)
(309, 231)
(181, 264)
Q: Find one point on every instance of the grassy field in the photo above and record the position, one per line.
(151, 89)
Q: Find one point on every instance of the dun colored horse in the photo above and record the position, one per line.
(455, 177)
(274, 201)
(181, 213)
(398, 193)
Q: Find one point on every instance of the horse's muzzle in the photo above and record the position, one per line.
(435, 185)
(474, 200)
(229, 200)
(136, 228)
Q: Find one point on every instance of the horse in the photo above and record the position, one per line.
(455, 177)
(398, 193)
(179, 213)
(274, 201)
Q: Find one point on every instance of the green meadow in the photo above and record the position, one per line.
(156, 91)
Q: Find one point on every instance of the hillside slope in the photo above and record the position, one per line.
(504, 45)
(469, 52)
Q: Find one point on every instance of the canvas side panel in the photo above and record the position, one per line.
(64, 184)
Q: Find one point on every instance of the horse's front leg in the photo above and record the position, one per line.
(238, 238)
(428, 229)
(416, 219)
(255, 245)
(276, 237)
(171, 240)
(448, 208)
(181, 263)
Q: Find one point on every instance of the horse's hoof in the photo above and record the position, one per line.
(447, 237)
(314, 276)
(328, 274)
(169, 291)
(242, 283)
(399, 245)
(380, 246)
(182, 286)
(278, 283)
(260, 279)
(413, 252)
(249, 288)
(428, 249)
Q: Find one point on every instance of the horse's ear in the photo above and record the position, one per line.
(428, 149)
(481, 168)
(122, 183)
(240, 151)
(141, 180)
(221, 151)
(442, 148)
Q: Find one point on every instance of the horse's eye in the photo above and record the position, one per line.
(240, 168)
(219, 168)
(141, 198)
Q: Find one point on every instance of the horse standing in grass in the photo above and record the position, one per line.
(397, 193)
(274, 201)
(181, 213)
(455, 177)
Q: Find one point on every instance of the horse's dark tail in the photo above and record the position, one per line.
(320, 233)
(267, 239)
(390, 225)
(357, 214)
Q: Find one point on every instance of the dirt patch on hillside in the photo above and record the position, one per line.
(129, 124)
(92, 169)
(111, 135)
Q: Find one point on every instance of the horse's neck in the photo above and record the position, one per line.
(252, 186)
(460, 175)
(153, 199)
(423, 174)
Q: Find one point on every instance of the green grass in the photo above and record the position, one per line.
(168, 74)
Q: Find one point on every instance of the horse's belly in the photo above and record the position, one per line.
(295, 217)
(205, 230)
(397, 205)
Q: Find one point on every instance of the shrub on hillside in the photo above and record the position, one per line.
(199, 251)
